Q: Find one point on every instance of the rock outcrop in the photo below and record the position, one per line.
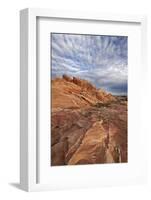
(88, 126)
(73, 93)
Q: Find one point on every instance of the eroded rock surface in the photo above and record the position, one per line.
(88, 126)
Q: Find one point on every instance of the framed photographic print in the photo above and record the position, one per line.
(81, 82)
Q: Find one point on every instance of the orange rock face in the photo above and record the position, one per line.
(88, 126)
(73, 93)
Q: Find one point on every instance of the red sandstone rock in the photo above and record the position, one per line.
(87, 125)
(76, 93)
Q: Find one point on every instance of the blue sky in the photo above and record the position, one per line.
(103, 60)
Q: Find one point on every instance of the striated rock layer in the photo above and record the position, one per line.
(88, 126)
(74, 93)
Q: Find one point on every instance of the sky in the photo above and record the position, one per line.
(102, 60)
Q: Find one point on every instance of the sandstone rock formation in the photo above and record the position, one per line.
(73, 93)
(88, 126)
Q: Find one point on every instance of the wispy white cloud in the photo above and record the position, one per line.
(100, 59)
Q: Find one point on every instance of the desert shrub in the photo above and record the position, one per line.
(100, 104)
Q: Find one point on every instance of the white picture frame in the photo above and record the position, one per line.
(29, 95)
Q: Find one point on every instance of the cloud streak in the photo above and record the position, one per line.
(100, 59)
